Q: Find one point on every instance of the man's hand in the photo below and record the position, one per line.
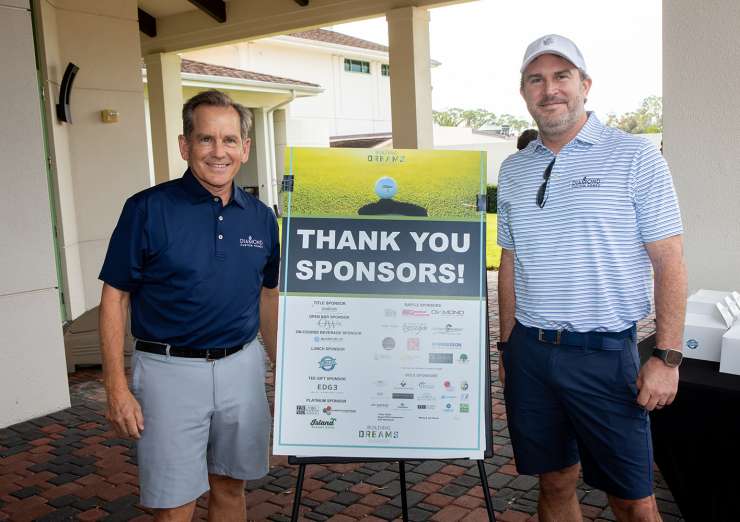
(124, 413)
(658, 384)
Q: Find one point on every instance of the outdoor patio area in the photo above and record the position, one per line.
(70, 466)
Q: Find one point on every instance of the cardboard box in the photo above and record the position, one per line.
(730, 358)
(702, 336)
(704, 301)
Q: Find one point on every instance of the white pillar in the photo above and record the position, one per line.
(411, 79)
(701, 118)
(165, 110)
(263, 156)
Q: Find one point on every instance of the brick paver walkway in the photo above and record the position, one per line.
(70, 466)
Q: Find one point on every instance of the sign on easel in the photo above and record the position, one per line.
(382, 328)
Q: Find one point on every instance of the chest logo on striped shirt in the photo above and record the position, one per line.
(251, 243)
(585, 183)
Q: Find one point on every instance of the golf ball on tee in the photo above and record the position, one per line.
(386, 187)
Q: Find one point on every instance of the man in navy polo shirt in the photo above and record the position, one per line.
(587, 215)
(196, 259)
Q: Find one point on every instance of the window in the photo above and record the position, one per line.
(385, 69)
(356, 66)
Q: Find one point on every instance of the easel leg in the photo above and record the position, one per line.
(486, 491)
(298, 491)
(404, 501)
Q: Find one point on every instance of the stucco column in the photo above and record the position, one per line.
(263, 155)
(411, 78)
(165, 109)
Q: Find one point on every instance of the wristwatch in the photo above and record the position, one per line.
(501, 345)
(671, 357)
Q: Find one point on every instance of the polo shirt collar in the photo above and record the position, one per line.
(590, 133)
(198, 193)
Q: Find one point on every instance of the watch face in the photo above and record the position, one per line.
(673, 357)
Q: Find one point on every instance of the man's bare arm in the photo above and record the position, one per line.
(506, 302)
(269, 298)
(506, 296)
(124, 412)
(657, 382)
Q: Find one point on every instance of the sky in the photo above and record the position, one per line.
(481, 45)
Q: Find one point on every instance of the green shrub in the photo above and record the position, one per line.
(491, 199)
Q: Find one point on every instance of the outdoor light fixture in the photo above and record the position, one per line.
(64, 112)
(302, 3)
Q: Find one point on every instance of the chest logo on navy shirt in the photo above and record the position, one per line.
(585, 183)
(250, 242)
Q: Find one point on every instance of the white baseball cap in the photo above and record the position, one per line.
(554, 44)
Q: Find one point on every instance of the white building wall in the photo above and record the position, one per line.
(352, 103)
(96, 165)
(33, 378)
(701, 118)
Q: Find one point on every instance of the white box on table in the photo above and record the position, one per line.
(730, 357)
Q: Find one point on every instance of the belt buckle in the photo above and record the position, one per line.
(541, 337)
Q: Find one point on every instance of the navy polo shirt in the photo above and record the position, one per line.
(193, 267)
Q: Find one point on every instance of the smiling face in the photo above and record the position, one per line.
(215, 150)
(555, 95)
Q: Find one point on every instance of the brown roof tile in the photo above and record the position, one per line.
(324, 35)
(193, 67)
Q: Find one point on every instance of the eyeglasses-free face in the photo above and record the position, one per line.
(542, 192)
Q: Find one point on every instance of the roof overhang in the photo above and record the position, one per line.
(184, 28)
(241, 84)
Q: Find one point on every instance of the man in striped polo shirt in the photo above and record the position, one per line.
(585, 212)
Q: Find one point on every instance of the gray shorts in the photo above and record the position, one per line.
(200, 417)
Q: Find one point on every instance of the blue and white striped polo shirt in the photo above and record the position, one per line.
(580, 262)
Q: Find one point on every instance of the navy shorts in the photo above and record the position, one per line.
(567, 403)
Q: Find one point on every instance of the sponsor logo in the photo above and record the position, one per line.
(447, 329)
(464, 408)
(463, 359)
(423, 385)
(692, 344)
(451, 346)
(377, 435)
(327, 387)
(327, 363)
(448, 386)
(302, 409)
(448, 407)
(404, 396)
(425, 406)
(327, 409)
(585, 182)
(380, 383)
(414, 313)
(250, 242)
(440, 358)
(390, 312)
(464, 385)
(449, 313)
(323, 423)
(413, 344)
(328, 324)
(464, 396)
(389, 343)
(414, 328)
(380, 405)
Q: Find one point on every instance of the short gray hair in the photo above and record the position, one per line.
(215, 98)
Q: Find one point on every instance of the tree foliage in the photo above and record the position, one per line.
(477, 118)
(647, 119)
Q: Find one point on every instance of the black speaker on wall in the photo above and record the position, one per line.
(64, 112)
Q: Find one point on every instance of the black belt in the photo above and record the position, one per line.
(185, 351)
(584, 339)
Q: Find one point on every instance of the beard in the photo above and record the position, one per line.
(554, 125)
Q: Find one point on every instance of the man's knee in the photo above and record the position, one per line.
(182, 513)
(561, 483)
(641, 509)
(226, 486)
